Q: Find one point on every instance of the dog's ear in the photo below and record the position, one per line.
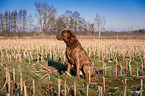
(69, 37)
(72, 38)
(72, 35)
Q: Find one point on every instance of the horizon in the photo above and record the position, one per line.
(119, 14)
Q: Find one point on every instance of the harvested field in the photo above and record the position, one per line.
(37, 67)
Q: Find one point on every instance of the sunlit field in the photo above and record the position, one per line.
(37, 67)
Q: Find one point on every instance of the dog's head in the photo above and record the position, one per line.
(68, 37)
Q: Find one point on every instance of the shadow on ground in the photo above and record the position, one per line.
(62, 67)
(58, 65)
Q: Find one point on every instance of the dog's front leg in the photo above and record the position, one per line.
(68, 67)
(78, 68)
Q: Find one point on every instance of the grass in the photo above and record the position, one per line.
(47, 72)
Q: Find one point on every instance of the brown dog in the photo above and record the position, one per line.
(76, 55)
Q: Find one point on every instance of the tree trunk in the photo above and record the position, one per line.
(99, 33)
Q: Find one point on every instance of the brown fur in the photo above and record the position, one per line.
(76, 55)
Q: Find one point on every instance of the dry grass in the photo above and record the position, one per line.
(43, 59)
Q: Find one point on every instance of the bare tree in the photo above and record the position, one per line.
(7, 23)
(76, 16)
(80, 26)
(46, 16)
(20, 19)
(6, 20)
(15, 21)
(91, 28)
(21, 24)
(1, 22)
(67, 19)
(11, 22)
(24, 19)
(38, 8)
(100, 23)
(60, 25)
(6, 30)
(30, 22)
(74, 22)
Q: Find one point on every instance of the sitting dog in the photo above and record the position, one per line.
(76, 55)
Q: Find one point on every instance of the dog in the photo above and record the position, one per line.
(76, 55)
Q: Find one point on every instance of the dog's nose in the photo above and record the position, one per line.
(59, 37)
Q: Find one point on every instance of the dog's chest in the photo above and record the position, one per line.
(70, 56)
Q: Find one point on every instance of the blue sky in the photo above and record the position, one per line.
(119, 14)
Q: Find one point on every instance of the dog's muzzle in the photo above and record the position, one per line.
(59, 37)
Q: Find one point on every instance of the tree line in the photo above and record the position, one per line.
(19, 23)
